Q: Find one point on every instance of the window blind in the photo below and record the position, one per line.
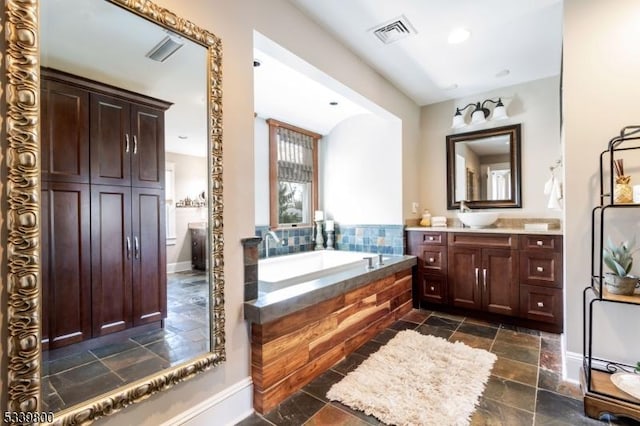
(295, 156)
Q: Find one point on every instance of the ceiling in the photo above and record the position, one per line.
(523, 37)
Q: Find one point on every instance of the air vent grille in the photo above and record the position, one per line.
(394, 30)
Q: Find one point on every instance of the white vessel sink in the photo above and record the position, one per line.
(478, 219)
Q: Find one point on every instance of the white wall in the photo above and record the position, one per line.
(536, 105)
(234, 22)
(190, 179)
(361, 167)
(600, 96)
(261, 164)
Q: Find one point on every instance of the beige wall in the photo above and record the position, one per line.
(190, 179)
(536, 105)
(600, 96)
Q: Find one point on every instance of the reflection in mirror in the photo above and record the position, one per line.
(125, 273)
(483, 168)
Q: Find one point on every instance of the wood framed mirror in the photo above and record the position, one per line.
(28, 218)
(484, 168)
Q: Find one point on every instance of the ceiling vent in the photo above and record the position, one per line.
(167, 47)
(394, 30)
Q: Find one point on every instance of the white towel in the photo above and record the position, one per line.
(553, 188)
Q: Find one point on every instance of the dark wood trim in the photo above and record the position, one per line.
(102, 88)
(273, 172)
(276, 123)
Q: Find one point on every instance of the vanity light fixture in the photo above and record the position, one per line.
(480, 113)
(167, 47)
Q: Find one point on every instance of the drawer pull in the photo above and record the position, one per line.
(539, 242)
(540, 305)
(430, 238)
(539, 269)
(431, 259)
(432, 288)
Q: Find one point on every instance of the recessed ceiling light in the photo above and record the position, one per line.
(458, 35)
(451, 87)
(256, 63)
(502, 73)
(333, 103)
(183, 137)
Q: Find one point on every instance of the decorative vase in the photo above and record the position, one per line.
(622, 191)
(623, 286)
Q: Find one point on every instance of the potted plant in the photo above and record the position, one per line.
(620, 260)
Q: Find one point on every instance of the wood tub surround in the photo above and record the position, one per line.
(290, 351)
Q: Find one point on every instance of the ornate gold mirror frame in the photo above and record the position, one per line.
(22, 191)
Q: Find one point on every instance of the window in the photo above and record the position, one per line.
(293, 174)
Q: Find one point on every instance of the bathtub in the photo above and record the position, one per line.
(279, 272)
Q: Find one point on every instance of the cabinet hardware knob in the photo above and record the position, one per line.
(431, 259)
(539, 269)
(135, 144)
(540, 305)
(432, 288)
(126, 143)
(430, 238)
(539, 242)
(128, 248)
(477, 280)
(484, 279)
(136, 247)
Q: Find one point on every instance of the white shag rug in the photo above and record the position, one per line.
(417, 380)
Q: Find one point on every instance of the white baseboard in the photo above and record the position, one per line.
(227, 407)
(572, 366)
(178, 267)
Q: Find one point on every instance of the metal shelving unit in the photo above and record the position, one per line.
(600, 394)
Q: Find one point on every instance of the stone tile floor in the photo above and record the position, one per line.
(525, 386)
(71, 375)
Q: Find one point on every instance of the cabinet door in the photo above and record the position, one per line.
(66, 264)
(433, 288)
(64, 133)
(500, 281)
(198, 249)
(111, 141)
(149, 254)
(111, 258)
(464, 266)
(147, 166)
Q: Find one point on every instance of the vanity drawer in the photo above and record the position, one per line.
(417, 238)
(489, 240)
(542, 268)
(541, 303)
(433, 288)
(541, 242)
(433, 258)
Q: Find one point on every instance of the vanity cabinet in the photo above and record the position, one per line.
(498, 276)
(198, 248)
(103, 255)
(431, 250)
(483, 272)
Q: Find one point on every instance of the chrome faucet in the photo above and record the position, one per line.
(269, 234)
(464, 207)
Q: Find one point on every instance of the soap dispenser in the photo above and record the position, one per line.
(426, 218)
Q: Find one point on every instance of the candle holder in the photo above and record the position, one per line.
(319, 238)
(330, 237)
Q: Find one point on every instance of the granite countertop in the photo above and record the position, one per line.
(273, 305)
(493, 230)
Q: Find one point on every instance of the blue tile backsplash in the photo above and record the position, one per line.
(386, 239)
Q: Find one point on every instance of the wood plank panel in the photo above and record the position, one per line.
(399, 287)
(354, 342)
(368, 290)
(266, 376)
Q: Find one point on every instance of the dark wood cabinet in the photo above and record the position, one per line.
(431, 278)
(127, 143)
(64, 133)
(499, 276)
(198, 249)
(66, 279)
(103, 209)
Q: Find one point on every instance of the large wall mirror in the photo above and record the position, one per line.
(114, 164)
(483, 168)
